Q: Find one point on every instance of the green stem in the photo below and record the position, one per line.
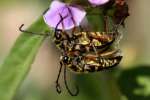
(109, 88)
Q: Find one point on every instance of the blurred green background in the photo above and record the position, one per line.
(130, 81)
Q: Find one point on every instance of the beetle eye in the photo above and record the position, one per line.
(58, 34)
(74, 37)
(65, 59)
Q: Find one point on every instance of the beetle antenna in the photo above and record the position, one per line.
(45, 11)
(25, 31)
(77, 89)
(61, 20)
(58, 88)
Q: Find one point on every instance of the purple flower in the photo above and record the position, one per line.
(72, 16)
(98, 2)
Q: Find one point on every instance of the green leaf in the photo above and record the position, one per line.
(18, 62)
(135, 83)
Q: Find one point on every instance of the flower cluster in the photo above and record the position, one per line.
(73, 14)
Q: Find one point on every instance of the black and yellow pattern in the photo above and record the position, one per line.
(92, 62)
(88, 51)
(85, 51)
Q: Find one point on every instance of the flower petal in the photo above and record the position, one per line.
(58, 10)
(57, 5)
(78, 15)
(98, 2)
